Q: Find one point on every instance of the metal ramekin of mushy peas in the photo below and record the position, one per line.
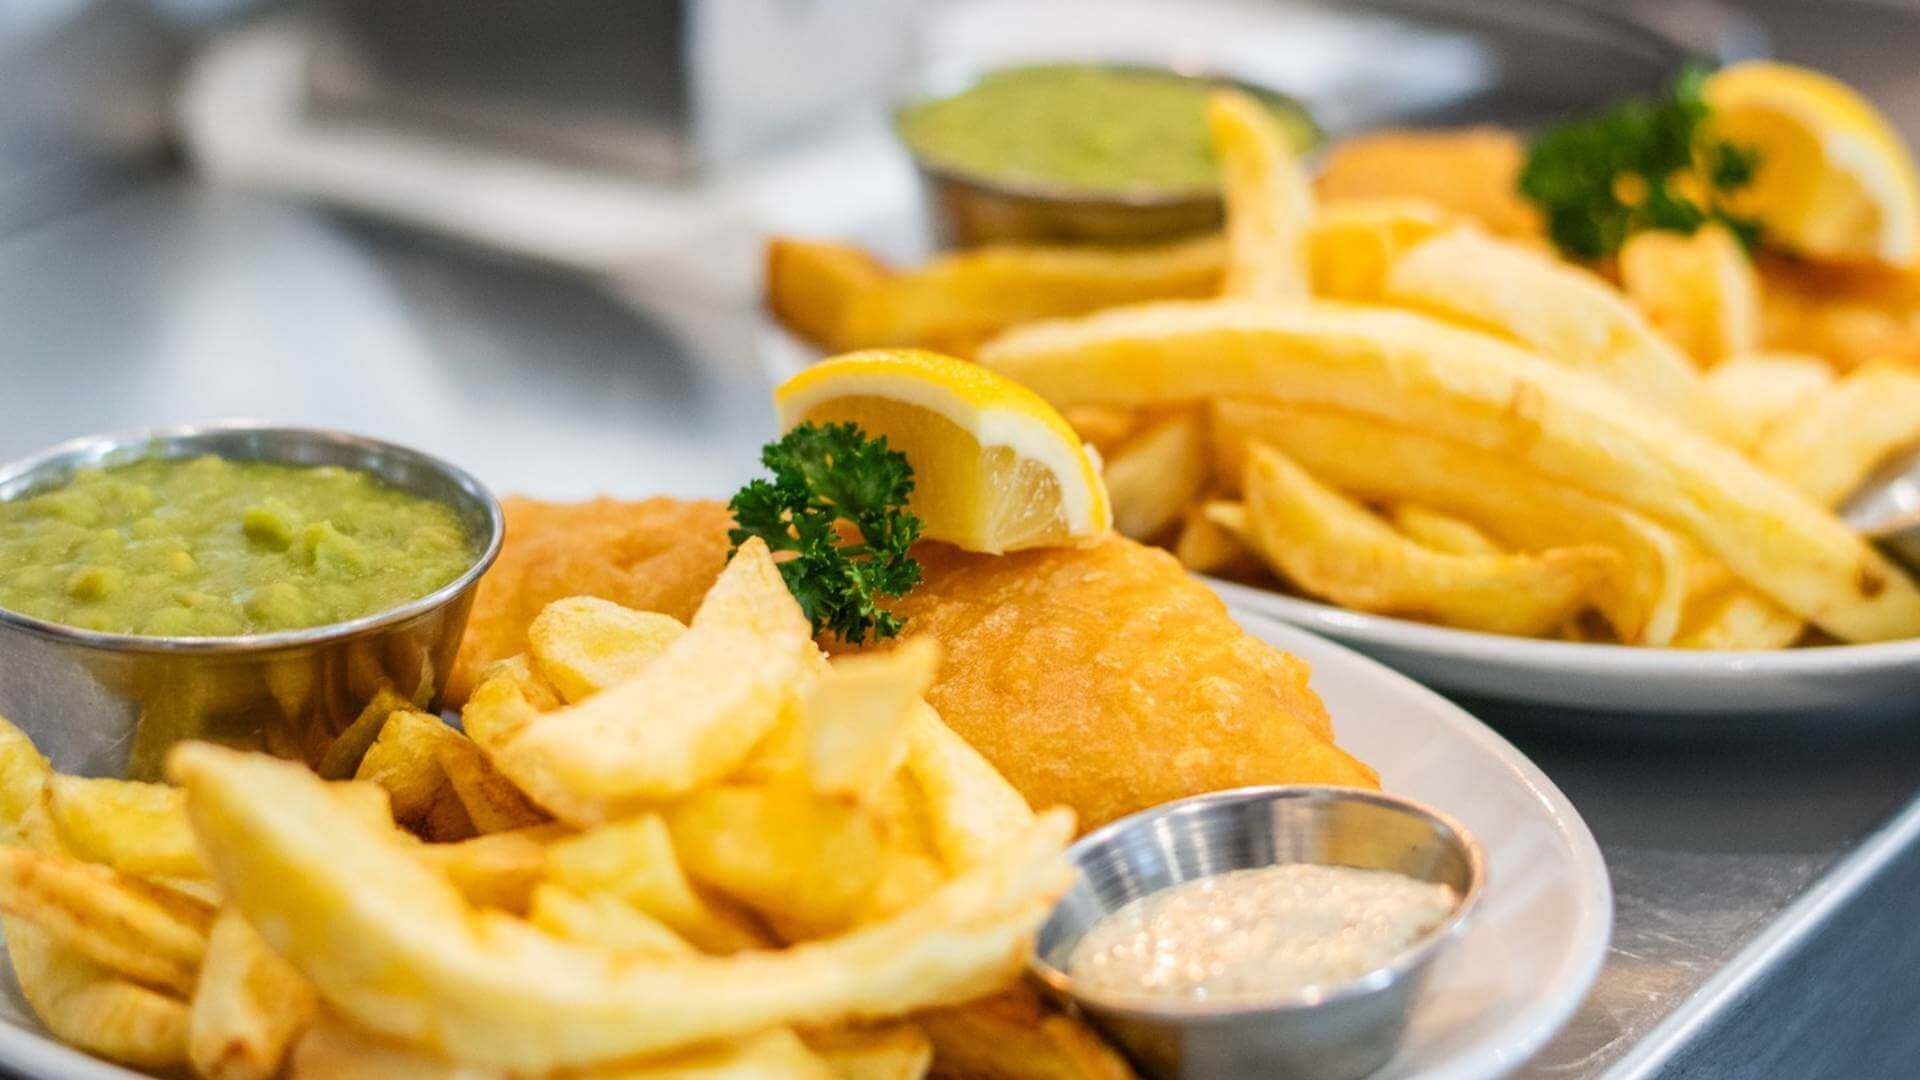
(110, 704)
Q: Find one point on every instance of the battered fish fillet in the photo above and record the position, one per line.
(654, 555)
(1470, 171)
(1107, 679)
(1102, 678)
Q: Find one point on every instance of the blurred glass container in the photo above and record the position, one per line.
(1354, 66)
(664, 88)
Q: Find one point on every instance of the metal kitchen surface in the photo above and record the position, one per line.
(1733, 861)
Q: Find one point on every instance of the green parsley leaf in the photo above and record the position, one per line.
(825, 479)
(1643, 164)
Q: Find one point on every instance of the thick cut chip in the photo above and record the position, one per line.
(971, 809)
(1384, 463)
(1758, 390)
(812, 288)
(956, 301)
(134, 929)
(501, 708)
(519, 670)
(898, 1051)
(140, 828)
(1735, 618)
(1355, 242)
(350, 906)
(1157, 474)
(23, 777)
(86, 1005)
(1700, 290)
(690, 717)
(492, 803)
(805, 862)
(1560, 311)
(347, 749)
(1440, 380)
(603, 920)
(634, 860)
(584, 645)
(1335, 548)
(857, 716)
(1104, 427)
(1206, 547)
(1827, 448)
(1441, 531)
(1470, 172)
(405, 761)
(249, 1007)
(1269, 202)
(1014, 1035)
(769, 1055)
(906, 877)
(497, 870)
(332, 1049)
(1846, 315)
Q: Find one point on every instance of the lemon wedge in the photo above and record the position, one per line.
(995, 468)
(1835, 181)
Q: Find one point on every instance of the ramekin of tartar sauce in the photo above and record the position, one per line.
(1270, 931)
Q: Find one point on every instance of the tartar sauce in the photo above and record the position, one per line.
(1259, 932)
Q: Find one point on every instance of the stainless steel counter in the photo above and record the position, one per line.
(1766, 920)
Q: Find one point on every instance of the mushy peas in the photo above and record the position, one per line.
(210, 547)
(1262, 932)
(1102, 130)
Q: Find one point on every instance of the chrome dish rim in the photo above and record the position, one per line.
(1409, 960)
(18, 475)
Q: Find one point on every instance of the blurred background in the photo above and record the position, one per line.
(524, 233)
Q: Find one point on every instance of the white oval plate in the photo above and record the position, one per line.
(1525, 963)
(1535, 946)
(1827, 683)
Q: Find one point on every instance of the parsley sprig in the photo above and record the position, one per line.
(1643, 164)
(824, 476)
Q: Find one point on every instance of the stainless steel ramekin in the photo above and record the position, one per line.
(968, 209)
(1336, 1032)
(111, 704)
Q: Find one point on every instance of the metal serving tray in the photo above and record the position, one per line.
(1737, 863)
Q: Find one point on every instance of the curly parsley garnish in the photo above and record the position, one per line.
(1643, 164)
(823, 476)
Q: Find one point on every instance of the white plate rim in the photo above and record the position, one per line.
(1539, 653)
(1573, 979)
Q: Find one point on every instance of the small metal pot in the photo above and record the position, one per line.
(1337, 1032)
(111, 704)
(968, 209)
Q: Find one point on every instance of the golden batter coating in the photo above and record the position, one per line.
(654, 555)
(1470, 171)
(1109, 680)
(1102, 678)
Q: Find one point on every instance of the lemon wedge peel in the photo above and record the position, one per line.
(994, 411)
(1855, 147)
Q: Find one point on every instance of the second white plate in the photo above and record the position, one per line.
(1825, 684)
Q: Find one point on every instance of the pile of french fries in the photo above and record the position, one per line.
(1394, 406)
(655, 851)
